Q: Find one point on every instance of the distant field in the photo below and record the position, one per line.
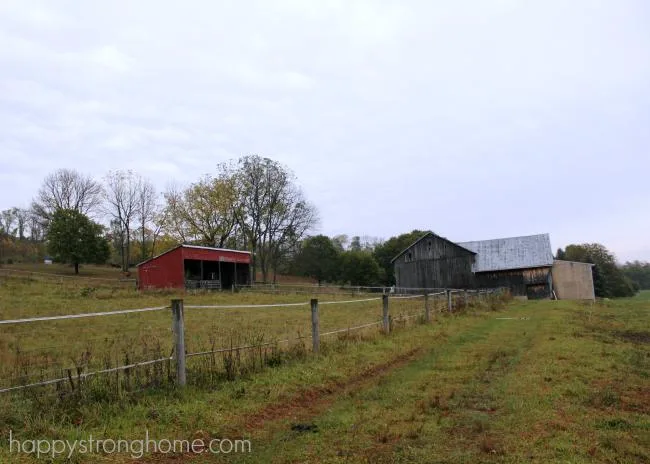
(104, 272)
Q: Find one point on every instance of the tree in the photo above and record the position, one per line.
(73, 238)
(7, 222)
(121, 197)
(318, 258)
(385, 252)
(609, 279)
(358, 267)
(22, 221)
(146, 212)
(66, 189)
(638, 272)
(340, 242)
(203, 213)
(272, 213)
(289, 218)
(355, 243)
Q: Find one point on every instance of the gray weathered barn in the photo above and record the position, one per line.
(523, 264)
(434, 262)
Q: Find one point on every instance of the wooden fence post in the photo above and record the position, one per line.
(427, 310)
(449, 303)
(386, 319)
(315, 326)
(178, 328)
(465, 297)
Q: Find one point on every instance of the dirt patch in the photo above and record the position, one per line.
(304, 405)
(308, 403)
(634, 336)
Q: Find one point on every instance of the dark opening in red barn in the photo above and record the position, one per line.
(190, 266)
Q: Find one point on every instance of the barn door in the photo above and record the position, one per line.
(536, 291)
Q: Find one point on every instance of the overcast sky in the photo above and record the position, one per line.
(476, 119)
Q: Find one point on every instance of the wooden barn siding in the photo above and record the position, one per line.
(435, 263)
(518, 281)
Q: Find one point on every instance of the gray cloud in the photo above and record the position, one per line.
(476, 119)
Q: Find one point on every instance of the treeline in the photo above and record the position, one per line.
(354, 261)
(610, 280)
(639, 273)
(252, 203)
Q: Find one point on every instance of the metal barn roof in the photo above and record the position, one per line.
(511, 253)
(196, 247)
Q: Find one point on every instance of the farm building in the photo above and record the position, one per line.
(190, 266)
(434, 262)
(523, 264)
(573, 281)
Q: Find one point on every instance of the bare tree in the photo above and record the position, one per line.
(35, 227)
(7, 221)
(121, 205)
(22, 222)
(158, 223)
(253, 191)
(273, 214)
(146, 210)
(287, 228)
(173, 213)
(67, 189)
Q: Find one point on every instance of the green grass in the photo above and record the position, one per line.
(85, 270)
(44, 350)
(643, 295)
(541, 381)
(564, 385)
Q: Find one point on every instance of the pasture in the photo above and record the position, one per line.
(532, 381)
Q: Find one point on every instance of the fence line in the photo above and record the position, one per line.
(81, 315)
(179, 357)
(86, 374)
(158, 308)
(358, 327)
(274, 305)
(348, 301)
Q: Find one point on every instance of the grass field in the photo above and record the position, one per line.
(44, 350)
(534, 382)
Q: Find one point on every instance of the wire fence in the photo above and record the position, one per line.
(133, 349)
(316, 289)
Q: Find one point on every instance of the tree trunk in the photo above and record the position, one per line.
(76, 268)
(127, 250)
(144, 248)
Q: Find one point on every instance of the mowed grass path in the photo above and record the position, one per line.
(562, 382)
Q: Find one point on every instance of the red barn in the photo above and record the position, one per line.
(190, 266)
